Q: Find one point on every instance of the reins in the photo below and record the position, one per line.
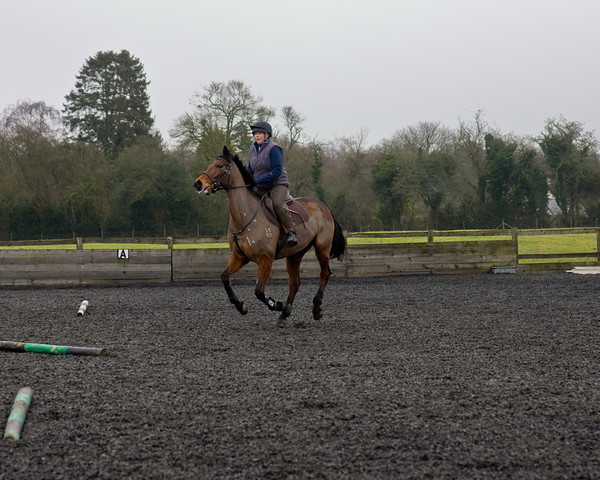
(235, 234)
(218, 184)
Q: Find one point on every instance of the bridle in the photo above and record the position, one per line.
(217, 182)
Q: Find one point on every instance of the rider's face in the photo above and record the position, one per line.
(260, 137)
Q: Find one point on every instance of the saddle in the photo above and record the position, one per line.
(297, 210)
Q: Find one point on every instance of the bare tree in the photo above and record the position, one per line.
(347, 179)
(36, 117)
(353, 152)
(426, 137)
(32, 164)
(471, 151)
(224, 111)
(292, 121)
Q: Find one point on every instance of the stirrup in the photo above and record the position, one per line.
(291, 239)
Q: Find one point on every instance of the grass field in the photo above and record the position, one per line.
(566, 243)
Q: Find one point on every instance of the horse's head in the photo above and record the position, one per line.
(216, 176)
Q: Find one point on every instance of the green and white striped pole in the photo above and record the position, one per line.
(56, 349)
(16, 419)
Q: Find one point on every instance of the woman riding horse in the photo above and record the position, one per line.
(265, 164)
(253, 237)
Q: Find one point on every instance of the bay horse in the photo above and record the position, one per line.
(253, 237)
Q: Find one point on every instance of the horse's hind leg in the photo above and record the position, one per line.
(323, 258)
(293, 269)
(236, 262)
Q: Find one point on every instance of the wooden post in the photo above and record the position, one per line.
(515, 237)
(170, 247)
(429, 236)
(79, 243)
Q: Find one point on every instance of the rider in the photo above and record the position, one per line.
(265, 164)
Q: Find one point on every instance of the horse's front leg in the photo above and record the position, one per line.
(265, 263)
(236, 262)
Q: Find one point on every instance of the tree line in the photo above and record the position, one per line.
(97, 167)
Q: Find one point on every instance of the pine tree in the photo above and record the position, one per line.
(109, 106)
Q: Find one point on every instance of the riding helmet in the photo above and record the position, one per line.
(264, 127)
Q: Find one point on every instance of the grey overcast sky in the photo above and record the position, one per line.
(345, 65)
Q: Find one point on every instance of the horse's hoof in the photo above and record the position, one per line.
(317, 314)
(273, 305)
(243, 309)
(285, 313)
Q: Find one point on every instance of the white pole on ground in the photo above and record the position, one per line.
(83, 308)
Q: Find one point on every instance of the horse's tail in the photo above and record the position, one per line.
(338, 244)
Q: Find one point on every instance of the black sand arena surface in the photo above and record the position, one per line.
(443, 377)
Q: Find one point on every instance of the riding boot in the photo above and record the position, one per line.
(291, 238)
(286, 220)
(280, 194)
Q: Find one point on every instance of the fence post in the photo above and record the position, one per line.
(598, 244)
(515, 237)
(429, 236)
(79, 241)
(170, 246)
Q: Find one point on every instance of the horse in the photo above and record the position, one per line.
(255, 237)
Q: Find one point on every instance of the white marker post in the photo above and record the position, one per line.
(83, 308)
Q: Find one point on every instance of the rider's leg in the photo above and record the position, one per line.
(279, 194)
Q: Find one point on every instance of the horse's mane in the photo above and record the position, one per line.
(248, 179)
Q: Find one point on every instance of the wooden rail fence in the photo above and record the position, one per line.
(185, 260)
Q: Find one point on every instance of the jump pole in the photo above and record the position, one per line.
(83, 308)
(16, 419)
(55, 349)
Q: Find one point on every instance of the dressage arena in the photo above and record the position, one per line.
(412, 377)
